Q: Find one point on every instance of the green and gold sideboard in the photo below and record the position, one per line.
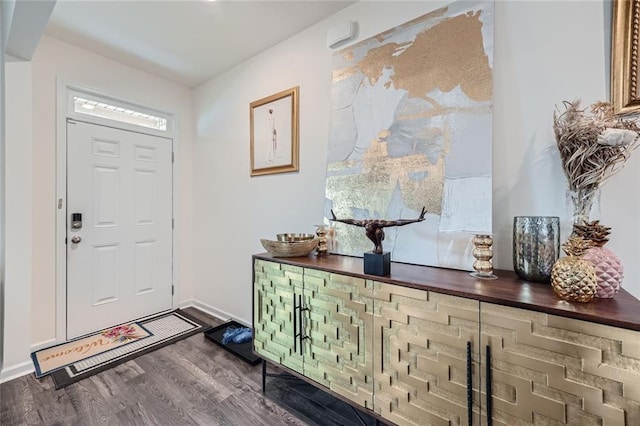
(431, 346)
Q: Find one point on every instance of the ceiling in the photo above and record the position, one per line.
(185, 41)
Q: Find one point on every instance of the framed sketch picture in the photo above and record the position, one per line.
(274, 133)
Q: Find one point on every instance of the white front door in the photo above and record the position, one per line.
(119, 230)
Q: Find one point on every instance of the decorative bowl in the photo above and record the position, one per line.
(287, 249)
(293, 238)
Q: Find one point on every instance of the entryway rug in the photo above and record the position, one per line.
(160, 331)
(51, 359)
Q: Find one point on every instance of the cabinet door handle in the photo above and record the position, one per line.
(299, 324)
(300, 309)
(295, 324)
(469, 385)
(260, 312)
(488, 385)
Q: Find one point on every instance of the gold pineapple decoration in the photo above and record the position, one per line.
(573, 278)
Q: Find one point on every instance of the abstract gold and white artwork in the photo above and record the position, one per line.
(411, 126)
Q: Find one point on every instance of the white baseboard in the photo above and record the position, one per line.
(213, 311)
(15, 371)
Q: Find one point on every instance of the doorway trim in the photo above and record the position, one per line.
(64, 110)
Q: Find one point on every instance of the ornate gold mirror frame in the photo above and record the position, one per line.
(625, 95)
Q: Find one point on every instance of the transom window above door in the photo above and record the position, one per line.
(102, 107)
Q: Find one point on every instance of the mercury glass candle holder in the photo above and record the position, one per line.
(536, 246)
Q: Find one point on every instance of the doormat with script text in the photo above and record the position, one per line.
(131, 340)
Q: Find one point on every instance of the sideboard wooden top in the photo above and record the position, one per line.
(621, 311)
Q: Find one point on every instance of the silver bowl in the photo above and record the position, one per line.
(289, 249)
(294, 238)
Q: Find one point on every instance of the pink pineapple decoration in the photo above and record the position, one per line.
(609, 270)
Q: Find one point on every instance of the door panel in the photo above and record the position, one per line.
(145, 182)
(423, 339)
(104, 273)
(121, 268)
(106, 185)
(564, 371)
(338, 352)
(276, 287)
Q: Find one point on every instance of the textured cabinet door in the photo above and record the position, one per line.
(420, 342)
(275, 286)
(339, 322)
(551, 370)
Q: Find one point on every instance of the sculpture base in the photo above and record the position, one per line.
(377, 263)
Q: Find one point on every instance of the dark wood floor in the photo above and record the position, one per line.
(192, 382)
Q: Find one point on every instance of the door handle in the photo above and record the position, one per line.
(302, 324)
(488, 386)
(299, 324)
(469, 385)
(295, 324)
(76, 239)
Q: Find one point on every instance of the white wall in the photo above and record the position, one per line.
(22, 26)
(4, 32)
(545, 52)
(57, 60)
(18, 199)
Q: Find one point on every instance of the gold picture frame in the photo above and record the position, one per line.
(625, 93)
(274, 133)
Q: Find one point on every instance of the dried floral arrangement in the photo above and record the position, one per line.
(593, 147)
